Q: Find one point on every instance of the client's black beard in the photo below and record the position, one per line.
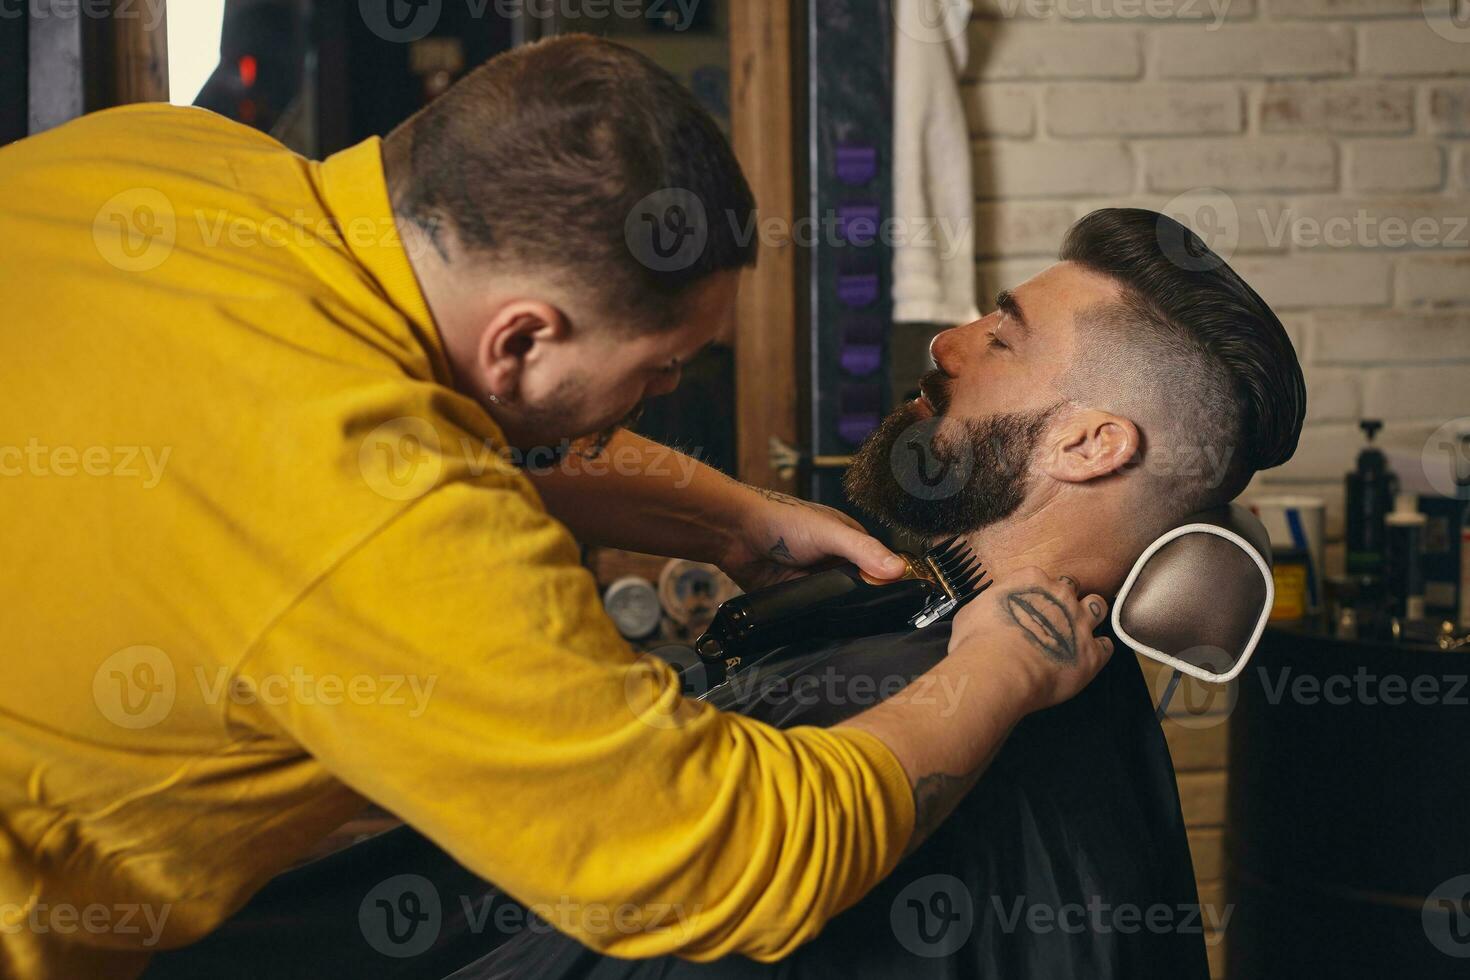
(906, 475)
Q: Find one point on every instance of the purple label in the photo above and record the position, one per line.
(857, 223)
(858, 289)
(862, 347)
(856, 163)
(855, 428)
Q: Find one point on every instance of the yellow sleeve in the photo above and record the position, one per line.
(478, 691)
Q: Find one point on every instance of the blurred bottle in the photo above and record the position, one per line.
(1370, 493)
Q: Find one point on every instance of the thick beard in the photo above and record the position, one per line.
(911, 476)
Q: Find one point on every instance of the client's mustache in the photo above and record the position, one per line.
(934, 386)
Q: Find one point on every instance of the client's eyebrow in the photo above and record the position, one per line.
(1005, 301)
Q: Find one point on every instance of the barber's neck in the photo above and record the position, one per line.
(1061, 535)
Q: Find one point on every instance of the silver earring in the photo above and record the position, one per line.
(495, 399)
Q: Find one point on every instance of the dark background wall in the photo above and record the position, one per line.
(13, 64)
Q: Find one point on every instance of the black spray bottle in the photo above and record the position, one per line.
(1370, 493)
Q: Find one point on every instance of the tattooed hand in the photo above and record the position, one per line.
(781, 537)
(1038, 626)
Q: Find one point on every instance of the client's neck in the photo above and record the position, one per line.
(1092, 549)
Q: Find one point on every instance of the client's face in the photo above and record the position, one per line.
(961, 456)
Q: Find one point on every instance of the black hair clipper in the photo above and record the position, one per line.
(841, 601)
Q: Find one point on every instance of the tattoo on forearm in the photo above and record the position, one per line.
(780, 552)
(1045, 622)
(935, 797)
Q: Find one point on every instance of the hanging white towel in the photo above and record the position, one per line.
(933, 197)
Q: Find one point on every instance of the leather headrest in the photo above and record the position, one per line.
(1198, 598)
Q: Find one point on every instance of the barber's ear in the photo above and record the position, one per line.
(514, 336)
(1091, 444)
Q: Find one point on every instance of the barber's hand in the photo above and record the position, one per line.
(1033, 628)
(782, 537)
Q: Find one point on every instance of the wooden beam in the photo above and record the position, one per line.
(138, 46)
(84, 57)
(762, 102)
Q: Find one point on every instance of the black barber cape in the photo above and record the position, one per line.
(1068, 861)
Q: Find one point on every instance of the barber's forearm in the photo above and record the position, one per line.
(945, 748)
(643, 496)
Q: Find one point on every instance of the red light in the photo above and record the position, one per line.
(248, 69)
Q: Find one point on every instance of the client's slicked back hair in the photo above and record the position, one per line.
(537, 159)
(1192, 344)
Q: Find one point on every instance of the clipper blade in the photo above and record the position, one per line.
(960, 576)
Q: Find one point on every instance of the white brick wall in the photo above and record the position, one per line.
(1337, 132)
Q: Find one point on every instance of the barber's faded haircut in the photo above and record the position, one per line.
(537, 158)
(1204, 345)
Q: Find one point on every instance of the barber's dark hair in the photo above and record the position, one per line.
(1185, 309)
(543, 157)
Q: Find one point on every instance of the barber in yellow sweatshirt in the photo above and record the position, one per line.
(285, 529)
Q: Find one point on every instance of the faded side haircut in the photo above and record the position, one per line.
(1190, 348)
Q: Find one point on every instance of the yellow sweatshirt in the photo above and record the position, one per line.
(261, 562)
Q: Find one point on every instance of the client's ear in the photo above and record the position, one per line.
(511, 337)
(1090, 444)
